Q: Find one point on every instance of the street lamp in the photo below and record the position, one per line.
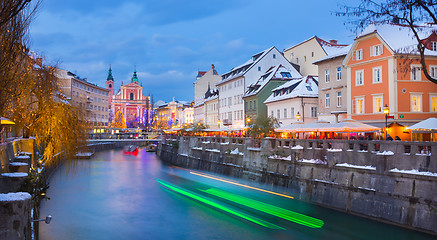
(248, 121)
(298, 116)
(218, 123)
(386, 111)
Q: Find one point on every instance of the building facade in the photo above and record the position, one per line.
(332, 87)
(234, 84)
(305, 53)
(131, 102)
(292, 99)
(86, 95)
(259, 91)
(204, 80)
(384, 70)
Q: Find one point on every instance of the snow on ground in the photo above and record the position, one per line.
(196, 148)
(386, 153)
(315, 161)
(183, 154)
(280, 157)
(19, 196)
(355, 166)
(206, 142)
(414, 171)
(236, 152)
(18, 164)
(369, 189)
(297, 147)
(212, 150)
(225, 143)
(334, 150)
(17, 174)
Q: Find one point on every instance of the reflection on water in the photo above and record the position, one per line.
(116, 196)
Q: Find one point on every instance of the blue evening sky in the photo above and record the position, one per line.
(170, 40)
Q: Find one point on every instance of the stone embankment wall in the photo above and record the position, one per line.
(390, 181)
(105, 144)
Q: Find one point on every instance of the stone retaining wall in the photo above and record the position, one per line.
(366, 178)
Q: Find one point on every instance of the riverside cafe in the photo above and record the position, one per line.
(224, 132)
(346, 129)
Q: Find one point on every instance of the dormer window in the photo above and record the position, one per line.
(286, 74)
(309, 88)
(274, 56)
(359, 54)
(259, 69)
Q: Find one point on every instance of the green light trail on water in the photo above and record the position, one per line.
(267, 208)
(218, 206)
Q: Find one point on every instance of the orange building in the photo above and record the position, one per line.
(383, 68)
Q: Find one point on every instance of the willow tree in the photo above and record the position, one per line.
(29, 89)
(263, 127)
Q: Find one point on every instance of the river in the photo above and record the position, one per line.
(117, 196)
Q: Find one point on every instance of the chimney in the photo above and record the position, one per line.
(213, 67)
(333, 42)
(39, 61)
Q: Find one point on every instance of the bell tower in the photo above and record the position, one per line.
(110, 84)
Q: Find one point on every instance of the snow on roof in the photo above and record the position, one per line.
(302, 87)
(242, 69)
(18, 196)
(277, 72)
(160, 103)
(334, 52)
(400, 38)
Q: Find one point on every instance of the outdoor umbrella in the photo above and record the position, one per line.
(427, 125)
(5, 121)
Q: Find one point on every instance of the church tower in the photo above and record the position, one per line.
(110, 84)
(134, 78)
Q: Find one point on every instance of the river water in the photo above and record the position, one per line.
(117, 196)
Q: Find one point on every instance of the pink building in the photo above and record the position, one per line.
(130, 101)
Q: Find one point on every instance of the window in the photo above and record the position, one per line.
(292, 112)
(313, 112)
(359, 54)
(339, 74)
(229, 101)
(131, 96)
(274, 56)
(309, 88)
(250, 104)
(359, 104)
(416, 102)
(433, 71)
(338, 99)
(271, 113)
(259, 69)
(359, 78)
(377, 104)
(286, 74)
(285, 113)
(297, 60)
(278, 114)
(254, 104)
(433, 103)
(433, 46)
(327, 101)
(376, 50)
(327, 75)
(305, 58)
(415, 72)
(377, 78)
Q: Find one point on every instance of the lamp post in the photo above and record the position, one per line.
(248, 121)
(386, 111)
(218, 124)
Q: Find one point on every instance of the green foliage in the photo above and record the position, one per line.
(263, 127)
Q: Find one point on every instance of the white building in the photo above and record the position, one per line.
(204, 80)
(234, 84)
(296, 97)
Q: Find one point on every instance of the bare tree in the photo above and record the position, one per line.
(412, 13)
